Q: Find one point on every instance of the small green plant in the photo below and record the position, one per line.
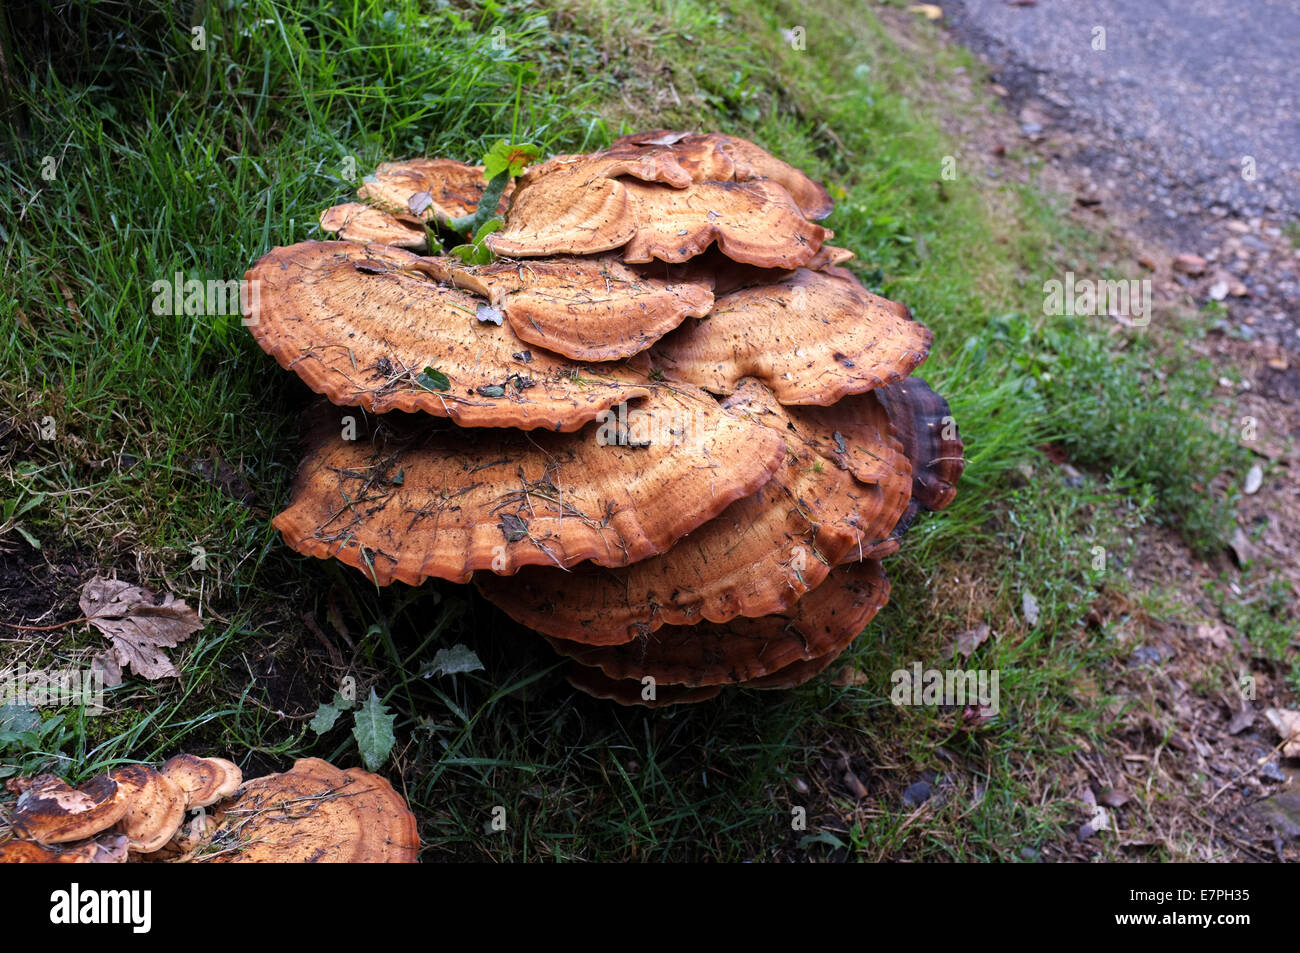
(13, 508)
(26, 739)
(477, 252)
(372, 725)
(503, 163)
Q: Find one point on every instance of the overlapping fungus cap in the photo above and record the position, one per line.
(712, 156)
(411, 501)
(50, 811)
(101, 849)
(818, 627)
(313, 813)
(627, 691)
(155, 807)
(634, 691)
(589, 309)
(842, 487)
(355, 222)
(431, 189)
(205, 781)
(813, 337)
(929, 435)
(647, 165)
(576, 208)
(360, 324)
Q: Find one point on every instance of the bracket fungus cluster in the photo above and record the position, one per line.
(312, 813)
(665, 427)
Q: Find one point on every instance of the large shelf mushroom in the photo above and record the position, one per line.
(666, 428)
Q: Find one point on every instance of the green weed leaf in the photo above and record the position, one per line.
(373, 728)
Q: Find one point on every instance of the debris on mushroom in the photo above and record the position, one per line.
(409, 502)
(355, 222)
(50, 811)
(812, 337)
(838, 495)
(312, 813)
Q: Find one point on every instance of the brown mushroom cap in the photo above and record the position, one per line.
(50, 811)
(410, 501)
(355, 222)
(728, 276)
(589, 309)
(559, 211)
(16, 851)
(713, 156)
(626, 691)
(582, 169)
(930, 439)
(630, 692)
(205, 781)
(813, 337)
(822, 622)
(359, 324)
(566, 212)
(155, 807)
(839, 493)
(101, 849)
(428, 188)
(314, 813)
(755, 222)
(703, 158)
(796, 673)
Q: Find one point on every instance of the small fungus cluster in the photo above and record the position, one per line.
(312, 813)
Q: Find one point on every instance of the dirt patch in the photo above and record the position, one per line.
(36, 587)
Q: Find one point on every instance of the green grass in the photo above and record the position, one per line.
(175, 160)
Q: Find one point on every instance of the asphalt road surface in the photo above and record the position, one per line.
(1181, 94)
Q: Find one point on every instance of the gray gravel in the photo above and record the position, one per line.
(1182, 92)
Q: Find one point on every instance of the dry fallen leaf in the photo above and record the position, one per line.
(1030, 606)
(106, 666)
(1241, 720)
(971, 639)
(930, 11)
(1254, 480)
(1112, 798)
(140, 624)
(1214, 633)
(1287, 725)
(850, 675)
(1189, 264)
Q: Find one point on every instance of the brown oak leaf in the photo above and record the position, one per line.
(140, 624)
